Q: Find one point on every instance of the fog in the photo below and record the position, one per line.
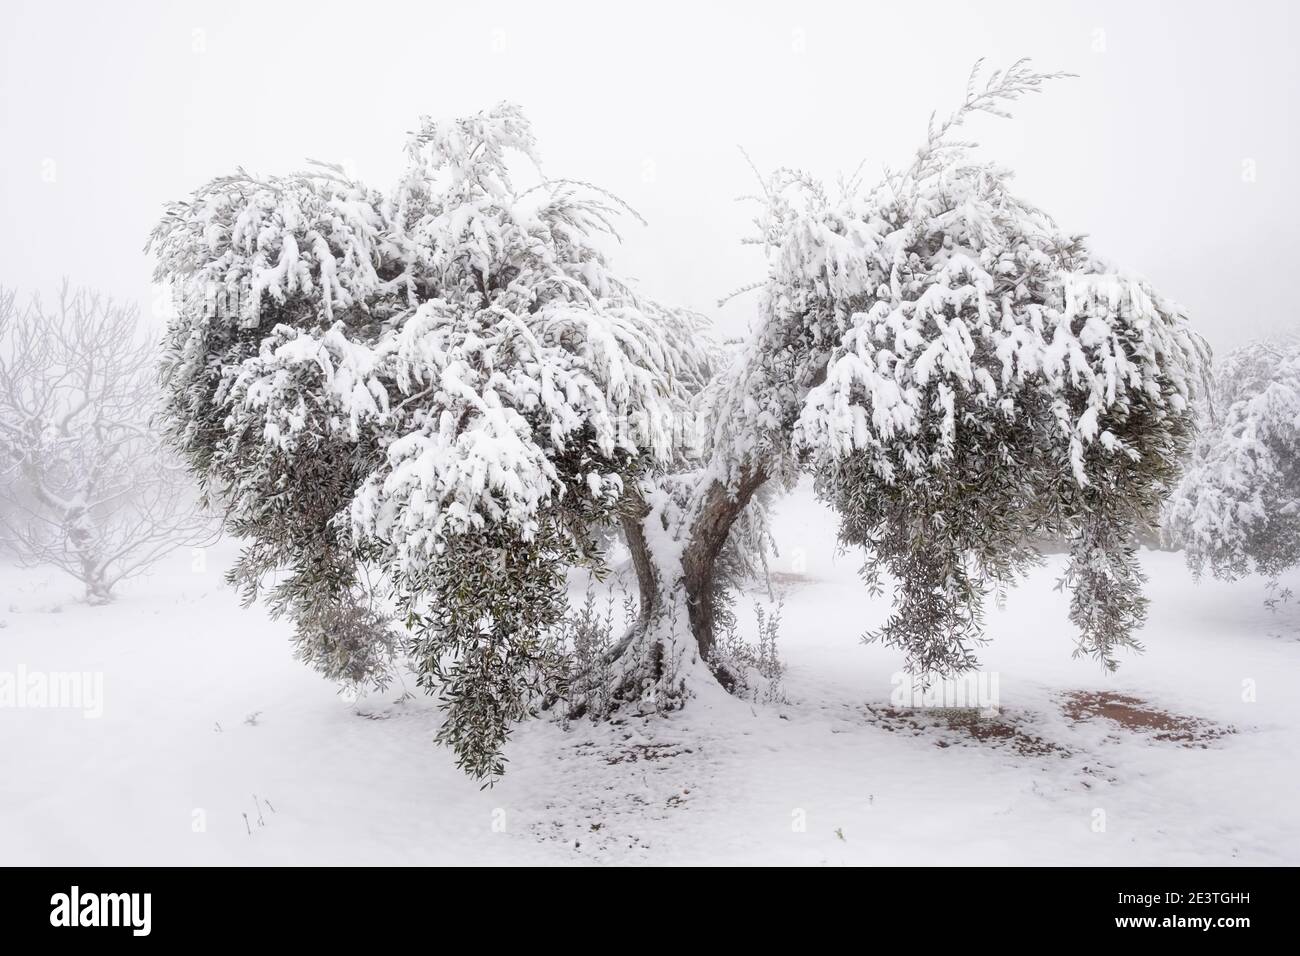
(1171, 148)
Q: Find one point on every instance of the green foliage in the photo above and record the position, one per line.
(485, 645)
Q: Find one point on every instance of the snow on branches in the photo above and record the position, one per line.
(447, 385)
(1238, 507)
(962, 378)
(394, 379)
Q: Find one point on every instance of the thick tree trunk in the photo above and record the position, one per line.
(719, 511)
(710, 527)
(77, 527)
(646, 576)
(650, 665)
(696, 581)
(650, 668)
(97, 591)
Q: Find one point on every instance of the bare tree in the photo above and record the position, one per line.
(85, 483)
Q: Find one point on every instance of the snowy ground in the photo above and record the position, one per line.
(216, 747)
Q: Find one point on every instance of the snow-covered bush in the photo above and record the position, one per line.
(1237, 509)
(963, 379)
(86, 484)
(447, 385)
(446, 389)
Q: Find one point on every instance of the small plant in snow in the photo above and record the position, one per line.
(1278, 596)
(590, 633)
(754, 668)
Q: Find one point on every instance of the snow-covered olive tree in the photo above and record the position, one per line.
(1237, 508)
(432, 402)
(86, 483)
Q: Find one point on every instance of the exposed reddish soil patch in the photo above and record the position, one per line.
(1138, 716)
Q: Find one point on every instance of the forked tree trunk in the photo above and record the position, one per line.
(642, 652)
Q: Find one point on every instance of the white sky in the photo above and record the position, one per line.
(107, 110)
